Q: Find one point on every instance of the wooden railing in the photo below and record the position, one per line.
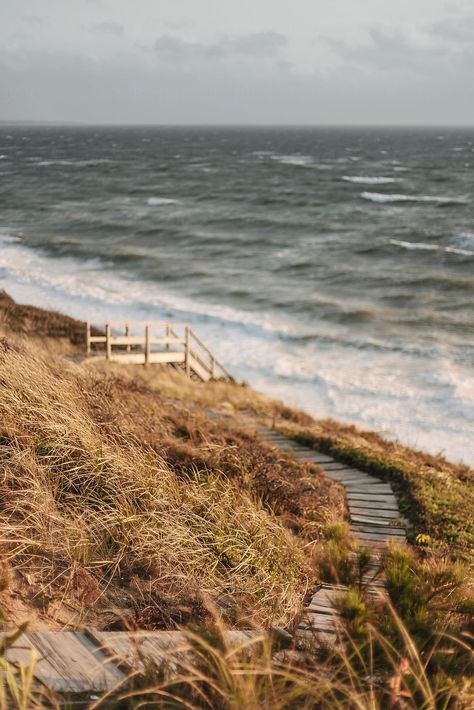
(146, 343)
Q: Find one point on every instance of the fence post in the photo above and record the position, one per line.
(167, 334)
(187, 365)
(108, 344)
(127, 334)
(88, 338)
(147, 344)
(213, 368)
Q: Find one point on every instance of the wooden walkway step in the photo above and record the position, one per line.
(375, 520)
(82, 664)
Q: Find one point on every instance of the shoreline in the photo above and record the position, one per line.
(315, 395)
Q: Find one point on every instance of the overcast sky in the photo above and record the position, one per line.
(238, 61)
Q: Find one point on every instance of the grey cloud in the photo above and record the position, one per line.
(34, 19)
(421, 54)
(443, 46)
(393, 51)
(259, 44)
(114, 28)
(73, 87)
(255, 45)
(455, 29)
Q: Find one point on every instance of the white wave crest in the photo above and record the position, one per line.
(3, 157)
(421, 246)
(440, 200)
(72, 163)
(299, 161)
(160, 201)
(367, 180)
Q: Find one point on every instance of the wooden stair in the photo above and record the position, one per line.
(143, 343)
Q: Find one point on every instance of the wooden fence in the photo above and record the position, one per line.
(154, 343)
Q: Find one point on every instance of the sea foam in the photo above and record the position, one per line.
(422, 246)
(159, 201)
(367, 180)
(381, 197)
(298, 161)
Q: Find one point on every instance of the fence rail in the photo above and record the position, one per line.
(146, 343)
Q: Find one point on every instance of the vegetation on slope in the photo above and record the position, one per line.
(435, 495)
(39, 322)
(116, 513)
(133, 497)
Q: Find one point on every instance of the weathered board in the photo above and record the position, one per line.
(65, 662)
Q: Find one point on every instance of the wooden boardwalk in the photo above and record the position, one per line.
(375, 520)
(82, 664)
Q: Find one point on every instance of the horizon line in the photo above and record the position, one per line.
(106, 124)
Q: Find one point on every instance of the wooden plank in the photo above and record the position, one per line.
(388, 517)
(129, 650)
(347, 476)
(318, 622)
(387, 527)
(320, 637)
(369, 507)
(347, 471)
(382, 537)
(326, 597)
(66, 663)
(132, 650)
(375, 497)
(203, 373)
(336, 466)
(320, 609)
(141, 340)
(377, 529)
(367, 488)
(374, 484)
(382, 498)
(163, 357)
(351, 469)
(321, 459)
(372, 520)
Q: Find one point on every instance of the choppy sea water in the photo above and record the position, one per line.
(333, 268)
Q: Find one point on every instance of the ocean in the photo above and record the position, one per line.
(332, 268)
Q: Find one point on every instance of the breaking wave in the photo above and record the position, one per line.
(367, 180)
(436, 199)
(422, 246)
(160, 201)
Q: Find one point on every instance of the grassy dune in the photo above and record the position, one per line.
(122, 506)
(133, 497)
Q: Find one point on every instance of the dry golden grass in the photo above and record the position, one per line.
(99, 516)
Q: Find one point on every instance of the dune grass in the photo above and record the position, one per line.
(101, 516)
